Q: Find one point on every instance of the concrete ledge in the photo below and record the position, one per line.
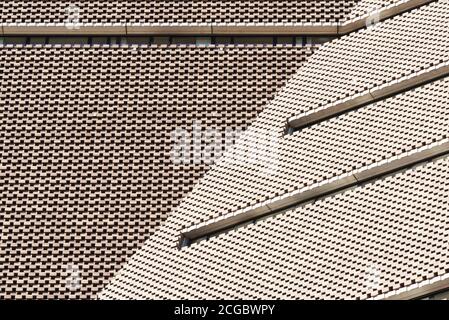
(168, 30)
(383, 14)
(370, 96)
(314, 192)
(298, 123)
(63, 30)
(402, 163)
(227, 222)
(209, 30)
(421, 290)
(275, 29)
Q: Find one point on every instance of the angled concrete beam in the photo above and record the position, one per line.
(62, 29)
(402, 163)
(370, 96)
(317, 191)
(383, 14)
(421, 290)
(256, 212)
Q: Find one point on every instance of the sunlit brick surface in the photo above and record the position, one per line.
(359, 244)
(177, 11)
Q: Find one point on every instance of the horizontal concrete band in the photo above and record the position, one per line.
(370, 96)
(277, 205)
(208, 29)
(420, 290)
